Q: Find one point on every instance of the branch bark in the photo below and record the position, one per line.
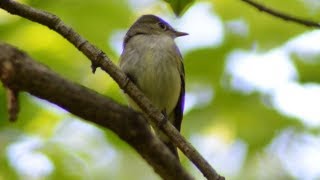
(20, 72)
(282, 15)
(99, 59)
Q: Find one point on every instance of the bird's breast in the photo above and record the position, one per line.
(159, 78)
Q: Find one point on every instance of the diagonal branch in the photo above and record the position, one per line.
(282, 15)
(21, 73)
(99, 59)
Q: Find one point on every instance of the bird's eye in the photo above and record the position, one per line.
(162, 26)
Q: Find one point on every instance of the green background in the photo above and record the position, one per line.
(242, 133)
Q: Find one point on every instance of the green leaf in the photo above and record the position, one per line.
(179, 6)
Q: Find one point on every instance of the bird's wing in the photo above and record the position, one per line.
(178, 111)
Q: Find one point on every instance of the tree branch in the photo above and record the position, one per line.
(21, 73)
(281, 15)
(12, 103)
(99, 59)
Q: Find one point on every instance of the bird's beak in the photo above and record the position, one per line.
(178, 33)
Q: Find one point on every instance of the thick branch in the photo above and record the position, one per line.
(99, 59)
(282, 15)
(18, 71)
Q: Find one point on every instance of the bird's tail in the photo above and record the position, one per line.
(165, 139)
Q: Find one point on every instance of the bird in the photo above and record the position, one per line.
(152, 60)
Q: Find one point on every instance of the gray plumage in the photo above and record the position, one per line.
(152, 60)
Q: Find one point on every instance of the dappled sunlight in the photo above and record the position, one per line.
(86, 139)
(298, 152)
(238, 27)
(222, 129)
(116, 40)
(313, 5)
(204, 27)
(24, 156)
(252, 71)
(198, 97)
(300, 101)
(141, 4)
(306, 45)
(273, 74)
(73, 141)
(227, 157)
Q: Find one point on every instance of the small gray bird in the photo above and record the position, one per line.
(152, 60)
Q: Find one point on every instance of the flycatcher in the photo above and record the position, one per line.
(152, 60)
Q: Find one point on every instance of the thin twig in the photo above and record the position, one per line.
(282, 15)
(97, 57)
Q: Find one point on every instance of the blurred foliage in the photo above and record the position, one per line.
(308, 70)
(233, 115)
(179, 6)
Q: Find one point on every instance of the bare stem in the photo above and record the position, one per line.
(282, 15)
